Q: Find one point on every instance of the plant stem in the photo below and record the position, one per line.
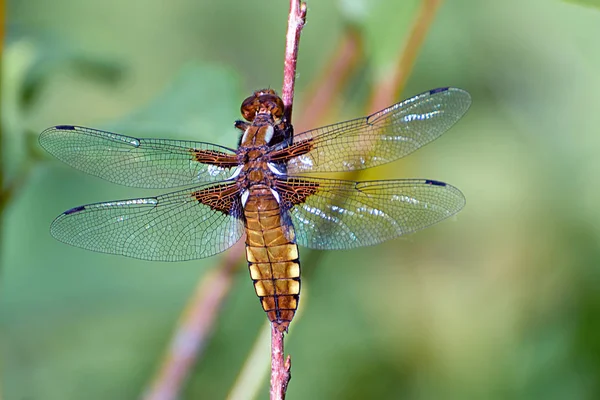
(280, 370)
(296, 21)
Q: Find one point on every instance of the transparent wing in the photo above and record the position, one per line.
(336, 214)
(173, 227)
(144, 163)
(379, 138)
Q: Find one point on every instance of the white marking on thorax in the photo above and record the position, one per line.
(269, 134)
(276, 195)
(245, 195)
(274, 169)
(236, 172)
(245, 136)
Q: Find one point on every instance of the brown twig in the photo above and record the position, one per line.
(296, 21)
(388, 90)
(194, 328)
(280, 370)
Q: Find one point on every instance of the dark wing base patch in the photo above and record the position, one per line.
(293, 191)
(221, 197)
(213, 157)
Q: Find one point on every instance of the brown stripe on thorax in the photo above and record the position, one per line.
(272, 257)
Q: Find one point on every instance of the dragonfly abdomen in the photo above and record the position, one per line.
(272, 258)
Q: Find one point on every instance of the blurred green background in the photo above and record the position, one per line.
(499, 302)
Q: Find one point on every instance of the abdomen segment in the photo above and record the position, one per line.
(272, 258)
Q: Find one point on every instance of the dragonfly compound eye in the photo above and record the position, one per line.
(271, 104)
(249, 108)
(262, 101)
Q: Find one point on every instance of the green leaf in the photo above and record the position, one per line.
(18, 59)
(49, 55)
(29, 62)
(201, 104)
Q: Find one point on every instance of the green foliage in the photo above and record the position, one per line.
(29, 63)
(587, 3)
(200, 104)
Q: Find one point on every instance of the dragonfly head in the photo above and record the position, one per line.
(265, 101)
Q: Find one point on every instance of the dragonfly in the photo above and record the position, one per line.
(263, 189)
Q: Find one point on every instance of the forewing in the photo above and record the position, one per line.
(184, 225)
(144, 163)
(336, 214)
(379, 138)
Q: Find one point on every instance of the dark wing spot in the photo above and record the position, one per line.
(435, 183)
(65, 127)
(438, 90)
(74, 210)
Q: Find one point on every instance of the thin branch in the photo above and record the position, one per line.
(280, 370)
(194, 328)
(389, 90)
(296, 21)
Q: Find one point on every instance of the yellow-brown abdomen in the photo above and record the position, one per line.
(272, 258)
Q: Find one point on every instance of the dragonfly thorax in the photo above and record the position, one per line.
(256, 171)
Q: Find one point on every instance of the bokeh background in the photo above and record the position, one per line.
(500, 302)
